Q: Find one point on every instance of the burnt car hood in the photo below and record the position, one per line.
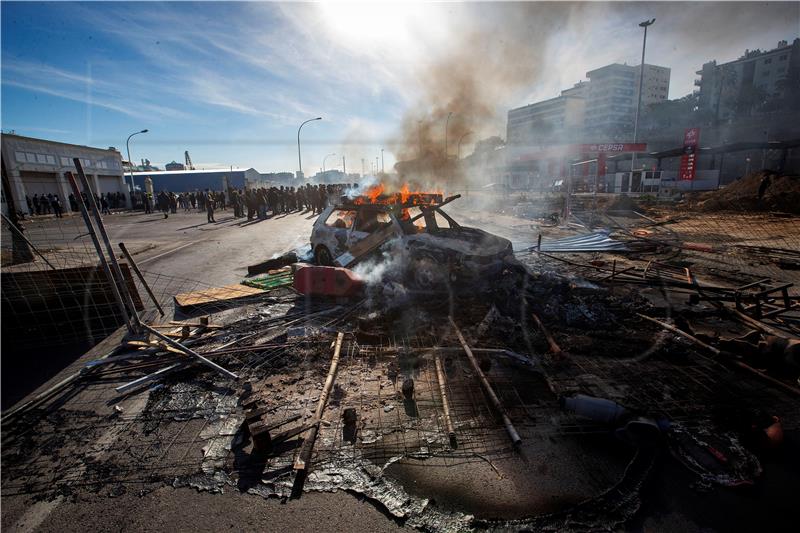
(471, 242)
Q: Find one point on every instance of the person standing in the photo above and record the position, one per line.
(46, 203)
(57, 209)
(104, 205)
(209, 207)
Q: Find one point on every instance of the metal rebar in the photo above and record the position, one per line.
(487, 387)
(138, 272)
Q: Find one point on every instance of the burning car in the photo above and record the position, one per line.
(435, 247)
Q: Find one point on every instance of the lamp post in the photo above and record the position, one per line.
(299, 159)
(459, 143)
(644, 25)
(323, 161)
(446, 126)
(128, 146)
(419, 138)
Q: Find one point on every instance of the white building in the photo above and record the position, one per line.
(39, 166)
(548, 121)
(612, 97)
(599, 110)
(755, 75)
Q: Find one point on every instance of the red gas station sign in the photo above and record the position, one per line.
(610, 148)
(691, 140)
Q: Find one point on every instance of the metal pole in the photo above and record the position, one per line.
(644, 25)
(383, 169)
(114, 289)
(512, 432)
(120, 279)
(130, 162)
(459, 144)
(446, 127)
(323, 161)
(138, 272)
(419, 138)
(299, 159)
(344, 167)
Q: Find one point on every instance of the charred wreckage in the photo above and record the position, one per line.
(550, 399)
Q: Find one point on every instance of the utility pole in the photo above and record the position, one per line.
(299, 159)
(376, 164)
(382, 167)
(644, 25)
(446, 127)
(344, 167)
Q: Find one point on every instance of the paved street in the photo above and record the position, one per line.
(184, 245)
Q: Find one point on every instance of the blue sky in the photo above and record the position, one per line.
(230, 82)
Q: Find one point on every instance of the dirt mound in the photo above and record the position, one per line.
(760, 191)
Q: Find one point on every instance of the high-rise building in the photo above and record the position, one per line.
(549, 121)
(599, 110)
(746, 82)
(612, 97)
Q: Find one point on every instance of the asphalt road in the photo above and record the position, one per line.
(183, 246)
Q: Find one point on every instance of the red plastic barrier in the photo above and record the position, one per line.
(327, 281)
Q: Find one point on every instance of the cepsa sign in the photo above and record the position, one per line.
(691, 139)
(613, 147)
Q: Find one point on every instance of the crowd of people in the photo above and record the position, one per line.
(51, 204)
(255, 203)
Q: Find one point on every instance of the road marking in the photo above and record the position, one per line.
(165, 253)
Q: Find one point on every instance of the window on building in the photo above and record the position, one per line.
(66, 162)
(768, 61)
(41, 158)
(783, 57)
(51, 160)
(20, 156)
(30, 157)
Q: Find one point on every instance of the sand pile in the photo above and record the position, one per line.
(760, 191)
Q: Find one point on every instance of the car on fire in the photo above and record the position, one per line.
(434, 247)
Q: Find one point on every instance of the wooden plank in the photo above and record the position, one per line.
(216, 295)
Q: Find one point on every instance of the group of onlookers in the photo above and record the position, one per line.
(50, 204)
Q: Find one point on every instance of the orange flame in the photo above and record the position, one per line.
(377, 195)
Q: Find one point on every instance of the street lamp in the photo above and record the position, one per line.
(323, 161)
(644, 25)
(299, 160)
(446, 126)
(459, 143)
(128, 146)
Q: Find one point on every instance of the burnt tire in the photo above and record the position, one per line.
(322, 256)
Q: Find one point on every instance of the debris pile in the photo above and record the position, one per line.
(760, 191)
(439, 404)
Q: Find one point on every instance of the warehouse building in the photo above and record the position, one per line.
(197, 180)
(39, 167)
